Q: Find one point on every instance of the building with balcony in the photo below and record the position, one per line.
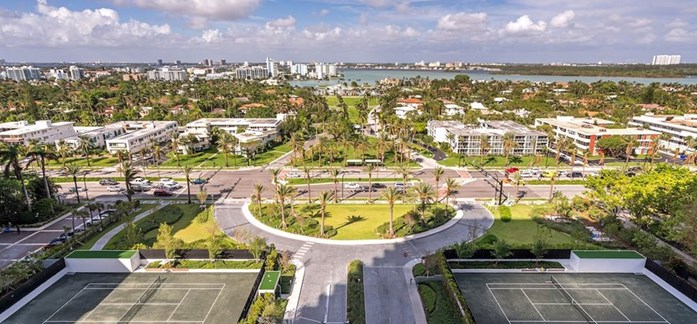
(140, 134)
(97, 135)
(467, 140)
(585, 132)
(43, 131)
(679, 128)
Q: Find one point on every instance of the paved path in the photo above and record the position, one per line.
(388, 293)
(101, 243)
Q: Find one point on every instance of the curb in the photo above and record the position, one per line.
(294, 298)
(416, 305)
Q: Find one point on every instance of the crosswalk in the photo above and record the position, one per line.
(300, 253)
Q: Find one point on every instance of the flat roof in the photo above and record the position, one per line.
(102, 254)
(607, 254)
(270, 280)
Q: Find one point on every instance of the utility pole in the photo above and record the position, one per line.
(499, 194)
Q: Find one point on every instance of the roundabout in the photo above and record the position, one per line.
(322, 295)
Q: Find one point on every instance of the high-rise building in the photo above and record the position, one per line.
(251, 72)
(323, 70)
(178, 62)
(168, 74)
(223, 62)
(665, 59)
(300, 69)
(272, 67)
(24, 73)
(76, 73)
(58, 74)
(159, 61)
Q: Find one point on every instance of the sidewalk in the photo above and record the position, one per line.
(101, 243)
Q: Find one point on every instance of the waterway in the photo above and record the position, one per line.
(362, 76)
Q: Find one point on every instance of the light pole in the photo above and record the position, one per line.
(84, 183)
(342, 185)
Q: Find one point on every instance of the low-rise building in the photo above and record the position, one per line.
(679, 128)
(96, 135)
(139, 135)
(467, 140)
(43, 131)
(584, 133)
(247, 130)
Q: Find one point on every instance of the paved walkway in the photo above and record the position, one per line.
(101, 243)
(388, 288)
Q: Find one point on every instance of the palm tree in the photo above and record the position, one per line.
(83, 214)
(517, 179)
(258, 191)
(128, 172)
(335, 178)
(438, 174)
(294, 141)
(391, 194)
(187, 173)
(156, 153)
(143, 163)
(450, 189)
(484, 147)
(74, 170)
(224, 146)
(274, 173)
(63, 150)
(282, 192)
(176, 141)
(424, 193)
(369, 169)
(585, 155)
(405, 173)
(10, 156)
(552, 177)
(509, 144)
(562, 144)
(40, 154)
(85, 146)
(324, 198)
(631, 143)
(308, 177)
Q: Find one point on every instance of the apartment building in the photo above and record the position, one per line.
(43, 131)
(97, 135)
(246, 130)
(139, 135)
(679, 128)
(466, 140)
(585, 132)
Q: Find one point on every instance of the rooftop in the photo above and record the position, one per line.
(608, 254)
(593, 126)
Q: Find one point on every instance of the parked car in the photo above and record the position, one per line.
(167, 181)
(115, 189)
(353, 186)
(378, 186)
(161, 193)
(141, 188)
(172, 186)
(527, 174)
(575, 175)
(107, 182)
(199, 181)
(140, 181)
(78, 189)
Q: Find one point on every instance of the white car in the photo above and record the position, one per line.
(528, 174)
(353, 186)
(140, 181)
(171, 186)
(295, 175)
(165, 181)
(115, 189)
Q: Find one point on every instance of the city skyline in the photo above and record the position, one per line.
(513, 31)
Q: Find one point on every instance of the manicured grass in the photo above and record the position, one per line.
(522, 230)
(504, 265)
(106, 254)
(95, 161)
(89, 243)
(355, 306)
(340, 156)
(351, 102)
(438, 308)
(270, 280)
(196, 230)
(607, 254)
(96, 179)
(211, 158)
(302, 181)
(373, 216)
(205, 264)
(497, 161)
(556, 182)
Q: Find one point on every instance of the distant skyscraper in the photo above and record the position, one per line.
(666, 59)
(76, 73)
(25, 73)
(300, 69)
(159, 61)
(178, 62)
(223, 62)
(168, 74)
(272, 67)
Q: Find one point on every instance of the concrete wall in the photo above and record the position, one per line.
(103, 265)
(607, 265)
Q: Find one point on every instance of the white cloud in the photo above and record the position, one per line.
(639, 23)
(282, 22)
(211, 36)
(212, 9)
(563, 19)
(57, 26)
(681, 35)
(524, 26)
(323, 12)
(462, 21)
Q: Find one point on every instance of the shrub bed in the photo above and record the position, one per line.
(356, 303)
(435, 301)
(504, 265)
(413, 223)
(206, 264)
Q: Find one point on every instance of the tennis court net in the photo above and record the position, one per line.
(152, 289)
(571, 300)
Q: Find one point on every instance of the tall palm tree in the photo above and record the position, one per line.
(438, 174)
(308, 176)
(63, 150)
(143, 163)
(450, 189)
(324, 198)
(405, 172)
(424, 193)
(82, 214)
(176, 141)
(484, 147)
(274, 174)
(562, 144)
(73, 170)
(128, 172)
(552, 178)
(157, 153)
(258, 191)
(283, 191)
(509, 144)
(224, 146)
(391, 194)
(335, 178)
(631, 143)
(85, 147)
(10, 157)
(369, 169)
(40, 154)
(187, 173)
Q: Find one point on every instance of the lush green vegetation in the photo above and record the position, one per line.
(212, 158)
(436, 304)
(632, 70)
(505, 265)
(498, 161)
(303, 181)
(333, 152)
(355, 306)
(206, 264)
(87, 244)
(102, 160)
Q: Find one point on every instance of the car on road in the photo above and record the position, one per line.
(575, 175)
(401, 186)
(294, 175)
(353, 186)
(527, 174)
(161, 193)
(521, 193)
(140, 181)
(115, 189)
(107, 182)
(378, 186)
(76, 189)
(199, 181)
(171, 186)
(54, 242)
(140, 188)
(167, 181)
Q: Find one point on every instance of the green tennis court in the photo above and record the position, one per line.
(140, 298)
(524, 298)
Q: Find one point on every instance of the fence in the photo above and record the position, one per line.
(196, 254)
(28, 286)
(515, 254)
(253, 292)
(676, 282)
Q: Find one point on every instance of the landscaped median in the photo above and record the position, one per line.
(205, 264)
(440, 296)
(303, 181)
(355, 305)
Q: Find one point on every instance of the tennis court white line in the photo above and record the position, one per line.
(215, 301)
(179, 304)
(533, 305)
(141, 288)
(136, 303)
(146, 304)
(66, 303)
(630, 322)
(537, 288)
(613, 305)
(105, 298)
(128, 321)
(547, 283)
(647, 305)
(498, 304)
(569, 304)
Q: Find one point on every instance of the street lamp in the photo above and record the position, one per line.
(84, 183)
(343, 174)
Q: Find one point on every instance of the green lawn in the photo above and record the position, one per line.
(113, 254)
(352, 154)
(95, 161)
(498, 161)
(211, 158)
(89, 243)
(192, 231)
(373, 216)
(522, 230)
(351, 102)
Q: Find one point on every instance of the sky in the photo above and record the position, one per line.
(406, 31)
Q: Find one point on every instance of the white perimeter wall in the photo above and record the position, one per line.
(607, 265)
(103, 265)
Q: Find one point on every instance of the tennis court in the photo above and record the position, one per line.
(141, 298)
(570, 298)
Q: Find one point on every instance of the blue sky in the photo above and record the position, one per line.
(349, 31)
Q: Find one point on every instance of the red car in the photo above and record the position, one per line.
(512, 170)
(162, 193)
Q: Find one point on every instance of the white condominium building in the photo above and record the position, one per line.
(585, 132)
(680, 129)
(24, 73)
(43, 131)
(96, 135)
(235, 125)
(251, 72)
(467, 140)
(139, 135)
(168, 74)
(665, 60)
